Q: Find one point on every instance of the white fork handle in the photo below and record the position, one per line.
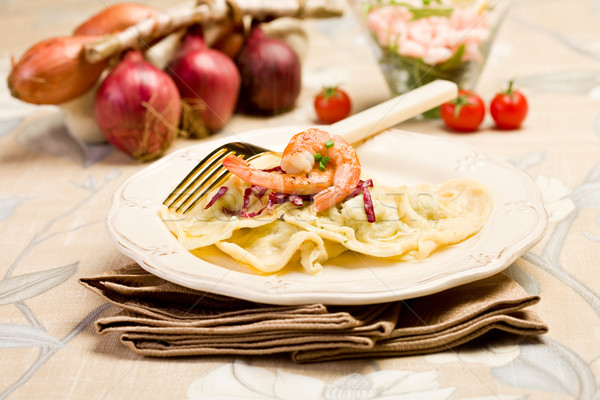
(391, 112)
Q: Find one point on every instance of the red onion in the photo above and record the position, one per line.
(271, 74)
(207, 80)
(138, 108)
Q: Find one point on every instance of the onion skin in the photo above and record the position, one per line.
(230, 39)
(54, 71)
(230, 44)
(115, 18)
(271, 74)
(207, 80)
(138, 108)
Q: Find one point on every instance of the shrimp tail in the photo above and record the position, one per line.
(344, 182)
(239, 167)
(328, 197)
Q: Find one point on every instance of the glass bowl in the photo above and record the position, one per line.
(417, 42)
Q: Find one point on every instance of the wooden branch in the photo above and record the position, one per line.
(152, 29)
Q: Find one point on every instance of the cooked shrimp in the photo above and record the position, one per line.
(298, 155)
(309, 183)
(331, 185)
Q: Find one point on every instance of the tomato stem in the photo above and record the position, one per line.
(460, 102)
(329, 92)
(510, 91)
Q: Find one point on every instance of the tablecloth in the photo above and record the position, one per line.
(55, 191)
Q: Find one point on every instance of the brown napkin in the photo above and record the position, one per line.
(159, 318)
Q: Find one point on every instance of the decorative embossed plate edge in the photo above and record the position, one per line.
(517, 223)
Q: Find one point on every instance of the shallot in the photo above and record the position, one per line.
(228, 37)
(54, 71)
(115, 18)
(138, 108)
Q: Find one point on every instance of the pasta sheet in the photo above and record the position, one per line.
(411, 223)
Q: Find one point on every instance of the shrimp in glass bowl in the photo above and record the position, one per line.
(417, 41)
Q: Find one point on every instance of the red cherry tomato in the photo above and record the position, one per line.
(509, 108)
(332, 104)
(465, 113)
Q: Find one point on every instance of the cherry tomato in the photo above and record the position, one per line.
(509, 108)
(465, 113)
(332, 104)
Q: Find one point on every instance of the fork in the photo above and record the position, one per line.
(210, 173)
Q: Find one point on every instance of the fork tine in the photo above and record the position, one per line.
(184, 186)
(207, 175)
(211, 174)
(204, 184)
(210, 168)
(203, 190)
(209, 164)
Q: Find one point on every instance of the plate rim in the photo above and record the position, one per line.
(277, 293)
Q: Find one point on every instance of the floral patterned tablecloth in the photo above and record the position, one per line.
(55, 190)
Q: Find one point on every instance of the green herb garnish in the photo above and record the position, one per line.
(419, 13)
(455, 61)
(329, 144)
(323, 162)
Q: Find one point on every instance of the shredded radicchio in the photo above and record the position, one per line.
(222, 190)
(254, 190)
(276, 198)
(258, 191)
(280, 198)
(274, 169)
(363, 186)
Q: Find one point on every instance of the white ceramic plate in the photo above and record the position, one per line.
(517, 222)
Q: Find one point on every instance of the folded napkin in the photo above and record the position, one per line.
(159, 318)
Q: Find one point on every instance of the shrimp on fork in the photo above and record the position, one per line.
(332, 180)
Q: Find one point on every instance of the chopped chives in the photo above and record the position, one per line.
(323, 162)
(329, 144)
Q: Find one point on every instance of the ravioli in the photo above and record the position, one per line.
(271, 247)
(411, 223)
(206, 226)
